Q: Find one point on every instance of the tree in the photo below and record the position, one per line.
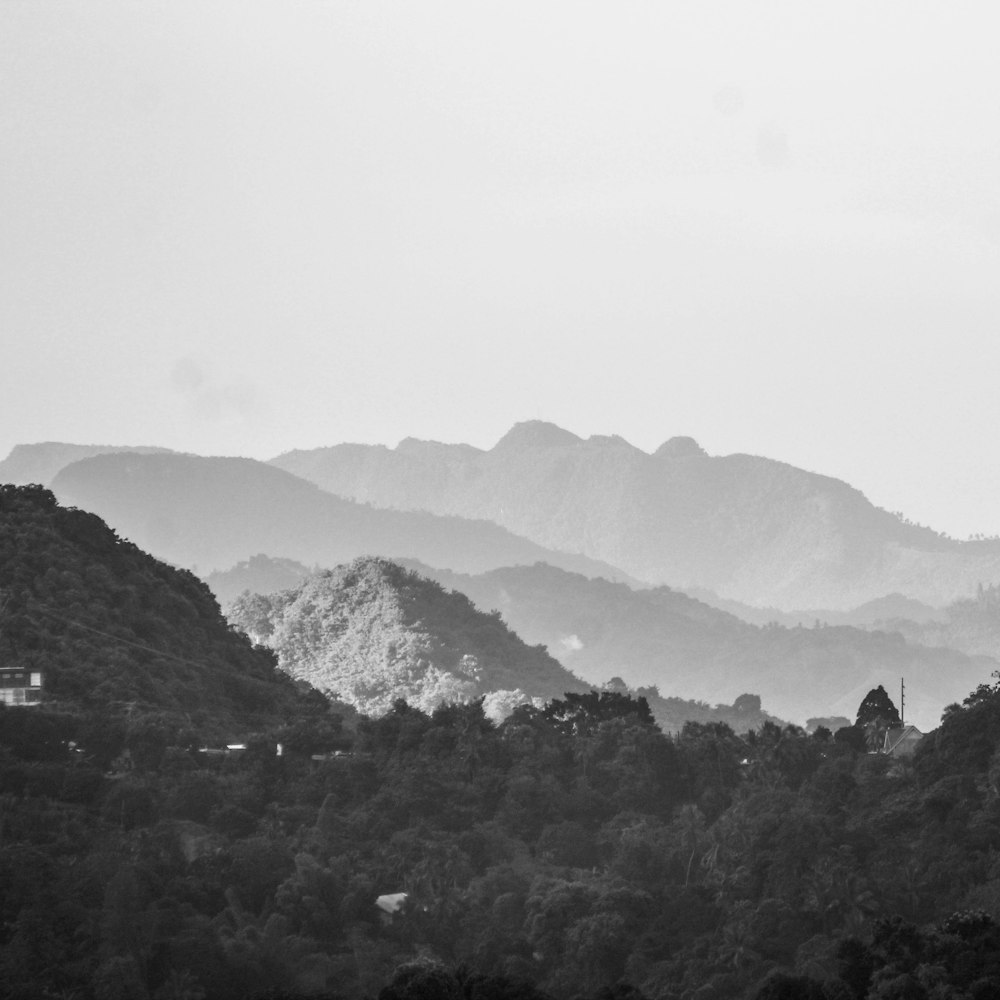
(876, 715)
(581, 714)
(877, 706)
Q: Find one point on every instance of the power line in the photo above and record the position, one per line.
(117, 638)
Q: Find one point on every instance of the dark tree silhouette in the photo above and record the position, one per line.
(877, 705)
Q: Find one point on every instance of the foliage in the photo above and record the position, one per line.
(371, 632)
(573, 850)
(114, 631)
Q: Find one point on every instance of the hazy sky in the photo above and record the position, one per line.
(239, 229)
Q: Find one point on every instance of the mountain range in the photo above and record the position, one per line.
(39, 463)
(747, 528)
(210, 513)
(669, 646)
(756, 532)
(736, 528)
(373, 631)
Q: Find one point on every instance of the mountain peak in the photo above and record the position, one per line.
(420, 446)
(536, 434)
(374, 631)
(680, 447)
(610, 441)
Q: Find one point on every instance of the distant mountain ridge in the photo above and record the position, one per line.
(748, 528)
(690, 660)
(870, 614)
(687, 649)
(40, 463)
(214, 512)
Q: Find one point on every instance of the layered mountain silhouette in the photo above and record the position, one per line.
(685, 648)
(694, 662)
(39, 463)
(210, 513)
(373, 631)
(971, 625)
(747, 528)
(871, 614)
(113, 630)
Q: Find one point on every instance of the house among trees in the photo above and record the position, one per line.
(390, 905)
(901, 741)
(19, 686)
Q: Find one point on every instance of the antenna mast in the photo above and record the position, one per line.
(902, 702)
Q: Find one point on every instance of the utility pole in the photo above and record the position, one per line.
(902, 702)
(4, 601)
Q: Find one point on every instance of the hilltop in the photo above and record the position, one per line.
(748, 528)
(372, 632)
(260, 574)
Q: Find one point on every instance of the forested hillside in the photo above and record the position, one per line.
(117, 632)
(691, 660)
(372, 632)
(687, 649)
(567, 852)
(746, 527)
(572, 850)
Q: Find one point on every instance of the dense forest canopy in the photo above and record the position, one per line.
(570, 850)
(371, 632)
(113, 630)
(575, 850)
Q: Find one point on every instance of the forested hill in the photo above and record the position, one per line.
(210, 513)
(574, 851)
(372, 632)
(746, 527)
(662, 637)
(114, 630)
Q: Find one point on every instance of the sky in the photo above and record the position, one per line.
(239, 228)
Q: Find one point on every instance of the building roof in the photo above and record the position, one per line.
(391, 902)
(901, 740)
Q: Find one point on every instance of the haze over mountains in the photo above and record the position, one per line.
(748, 528)
(685, 649)
(756, 531)
(372, 632)
(745, 528)
(39, 463)
(210, 513)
